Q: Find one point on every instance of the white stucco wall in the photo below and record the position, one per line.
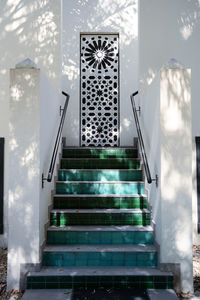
(176, 172)
(170, 29)
(31, 29)
(118, 16)
(23, 170)
(31, 141)
(166, 126)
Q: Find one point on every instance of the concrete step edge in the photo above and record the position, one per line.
(101, 248)
(102, 228)
(100, 148)
(92, 211)
(100, 182)
(100, 271)
(100, 170)
(98, 158)
(101, 195)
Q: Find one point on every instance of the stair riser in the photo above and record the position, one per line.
(134, 259)
(99, 238)
(68, 282)
(100, 153)
(100, 202)
(100, 164)
(99, 188)
(65, 219)
(104, 175)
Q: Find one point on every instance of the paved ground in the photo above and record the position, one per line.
(89, 294)
(100, 294)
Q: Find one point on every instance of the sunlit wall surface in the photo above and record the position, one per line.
(31, 29)
(170, 29)
(116, 16)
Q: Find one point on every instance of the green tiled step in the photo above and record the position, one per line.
(99, 175)
(100, 152)
(110, 277)
(97, 187)
(100, 217)
(101, 255)
(100, 235)
(96, 163)
(99, 201)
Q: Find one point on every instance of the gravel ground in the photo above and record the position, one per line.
(16, 295)
(4, 295)
(196, 270)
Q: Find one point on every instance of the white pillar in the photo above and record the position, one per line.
(24, 170)
(176, 172)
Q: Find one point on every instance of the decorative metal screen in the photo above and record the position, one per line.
(99, 90)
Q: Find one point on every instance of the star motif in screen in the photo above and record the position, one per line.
(99, 55)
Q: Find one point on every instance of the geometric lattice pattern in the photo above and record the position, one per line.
(99, 90)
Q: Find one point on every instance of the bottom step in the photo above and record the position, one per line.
(112, 277)
(99, 294)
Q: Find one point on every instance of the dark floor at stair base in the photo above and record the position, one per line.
(100, 294)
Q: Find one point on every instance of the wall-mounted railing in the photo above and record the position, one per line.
(57, 142)
(141, 142)
(1, 182)
(198, 181)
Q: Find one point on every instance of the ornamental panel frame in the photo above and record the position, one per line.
(99, 90)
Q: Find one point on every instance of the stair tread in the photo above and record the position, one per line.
(109, 210)
(104, 158)
(99, 271)
(107, 182)
(100, 195)
(99, 148)
(101, 170)
(102, 228)
(100, 248)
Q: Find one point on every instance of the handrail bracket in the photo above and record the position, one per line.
(156, 180)
(61, 110)
(43, 180)
(139, 110)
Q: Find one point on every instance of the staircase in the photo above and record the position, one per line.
(100, 232)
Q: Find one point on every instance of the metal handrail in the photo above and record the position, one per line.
(57, 142)
(141, 142)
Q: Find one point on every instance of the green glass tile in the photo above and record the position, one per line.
(160, 285)
(144, 237)
(102, 281)
(38, 285)
(64, 279)
(100, 153)
(52, 285)
(29, 279)
(169, 285)
(170, 278)
(99, 188)
(29, 285)
(38, 279)
(65, 285)
(98, 258)
(107, 202)
(100, 164)
(161, 279)
(100, 175)
(104, 219)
